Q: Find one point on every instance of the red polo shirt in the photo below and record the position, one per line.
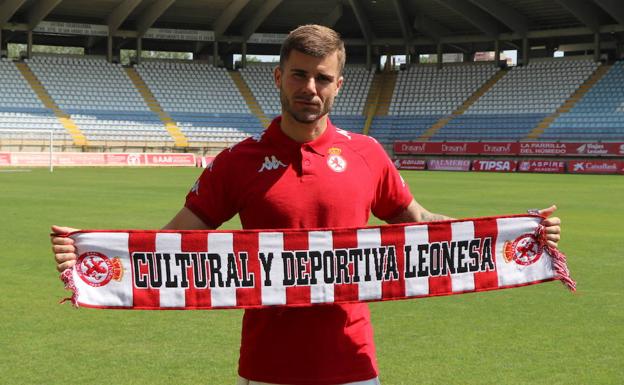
(274, 182)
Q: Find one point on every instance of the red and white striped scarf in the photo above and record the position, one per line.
(255, 268)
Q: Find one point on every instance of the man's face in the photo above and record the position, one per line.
(308, 85)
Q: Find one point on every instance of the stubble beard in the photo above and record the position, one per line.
(305, 115)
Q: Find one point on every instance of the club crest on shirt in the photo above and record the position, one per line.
(524, 250)
(96, 269)
(335, 161)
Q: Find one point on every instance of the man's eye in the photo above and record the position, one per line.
(322, 79)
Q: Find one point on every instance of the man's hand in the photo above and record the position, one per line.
(552, 226)
(63, 248)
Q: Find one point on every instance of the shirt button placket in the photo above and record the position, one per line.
(306, 160)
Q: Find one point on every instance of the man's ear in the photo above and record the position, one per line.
(339, 84)
(277, 76)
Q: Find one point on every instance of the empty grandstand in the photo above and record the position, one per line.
(93, 103)
(21, 110)
(100, 99)
(425, 93)
(598, 115)
(519, 101)
(201, 99)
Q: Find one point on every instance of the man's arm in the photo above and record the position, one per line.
(185, 219)
(414, 212)
(65, 251)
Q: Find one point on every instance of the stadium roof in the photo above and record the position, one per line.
(461, 25)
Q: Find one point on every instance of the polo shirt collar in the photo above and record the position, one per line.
(320, 145)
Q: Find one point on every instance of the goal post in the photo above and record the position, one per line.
(34, 135)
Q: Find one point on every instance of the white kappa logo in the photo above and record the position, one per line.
(195, 188)
(271, 163)
(337, 163)
(344, 133)
(258, 137)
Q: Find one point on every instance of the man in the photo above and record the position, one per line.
(302, 172)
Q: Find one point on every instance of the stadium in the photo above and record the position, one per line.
(530, 89)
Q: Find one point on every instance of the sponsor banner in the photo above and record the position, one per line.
(596, 167)
(571, 149)
(556, 166)
(449, 164)
(495, 165)
(95, 159)
(56, 27)
(542, 148)
(460, 148)
(510, 148)
(5, 159)
(457, 148)
(415, 148)
(267, 38)
(596, 149)
(179, 34)
(410, 164)
(170, 159)
(499, 148)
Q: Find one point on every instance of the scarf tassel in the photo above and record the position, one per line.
(560, 262)
(68, 279)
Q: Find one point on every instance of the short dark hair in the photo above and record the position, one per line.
(314, 40)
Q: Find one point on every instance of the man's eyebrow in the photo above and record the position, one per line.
(302, 71)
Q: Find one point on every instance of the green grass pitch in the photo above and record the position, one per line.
(533, 335)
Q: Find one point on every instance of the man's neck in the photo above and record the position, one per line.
(303, 132)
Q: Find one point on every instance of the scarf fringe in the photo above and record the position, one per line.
(68, 279)
(560, 261)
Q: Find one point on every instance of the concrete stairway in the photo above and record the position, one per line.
(170, 125)
(431, 131)
(250, 99)
(65, 119)
(379, 97)
(570, 102)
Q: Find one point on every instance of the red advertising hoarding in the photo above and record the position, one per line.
(510, 148)
(596, 149)
(449, 164)
(5, 159)
(596, 167)
(416, 148)
(95, 159)
(555, 166)
(170, 159)
(410, 164)
(499, 165)
(499, 148)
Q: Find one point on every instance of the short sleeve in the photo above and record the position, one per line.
(392, 194)
(212, 198)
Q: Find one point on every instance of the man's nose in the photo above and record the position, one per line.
(310, 85)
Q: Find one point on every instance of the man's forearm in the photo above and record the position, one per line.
(416, 213)
(432, 217)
